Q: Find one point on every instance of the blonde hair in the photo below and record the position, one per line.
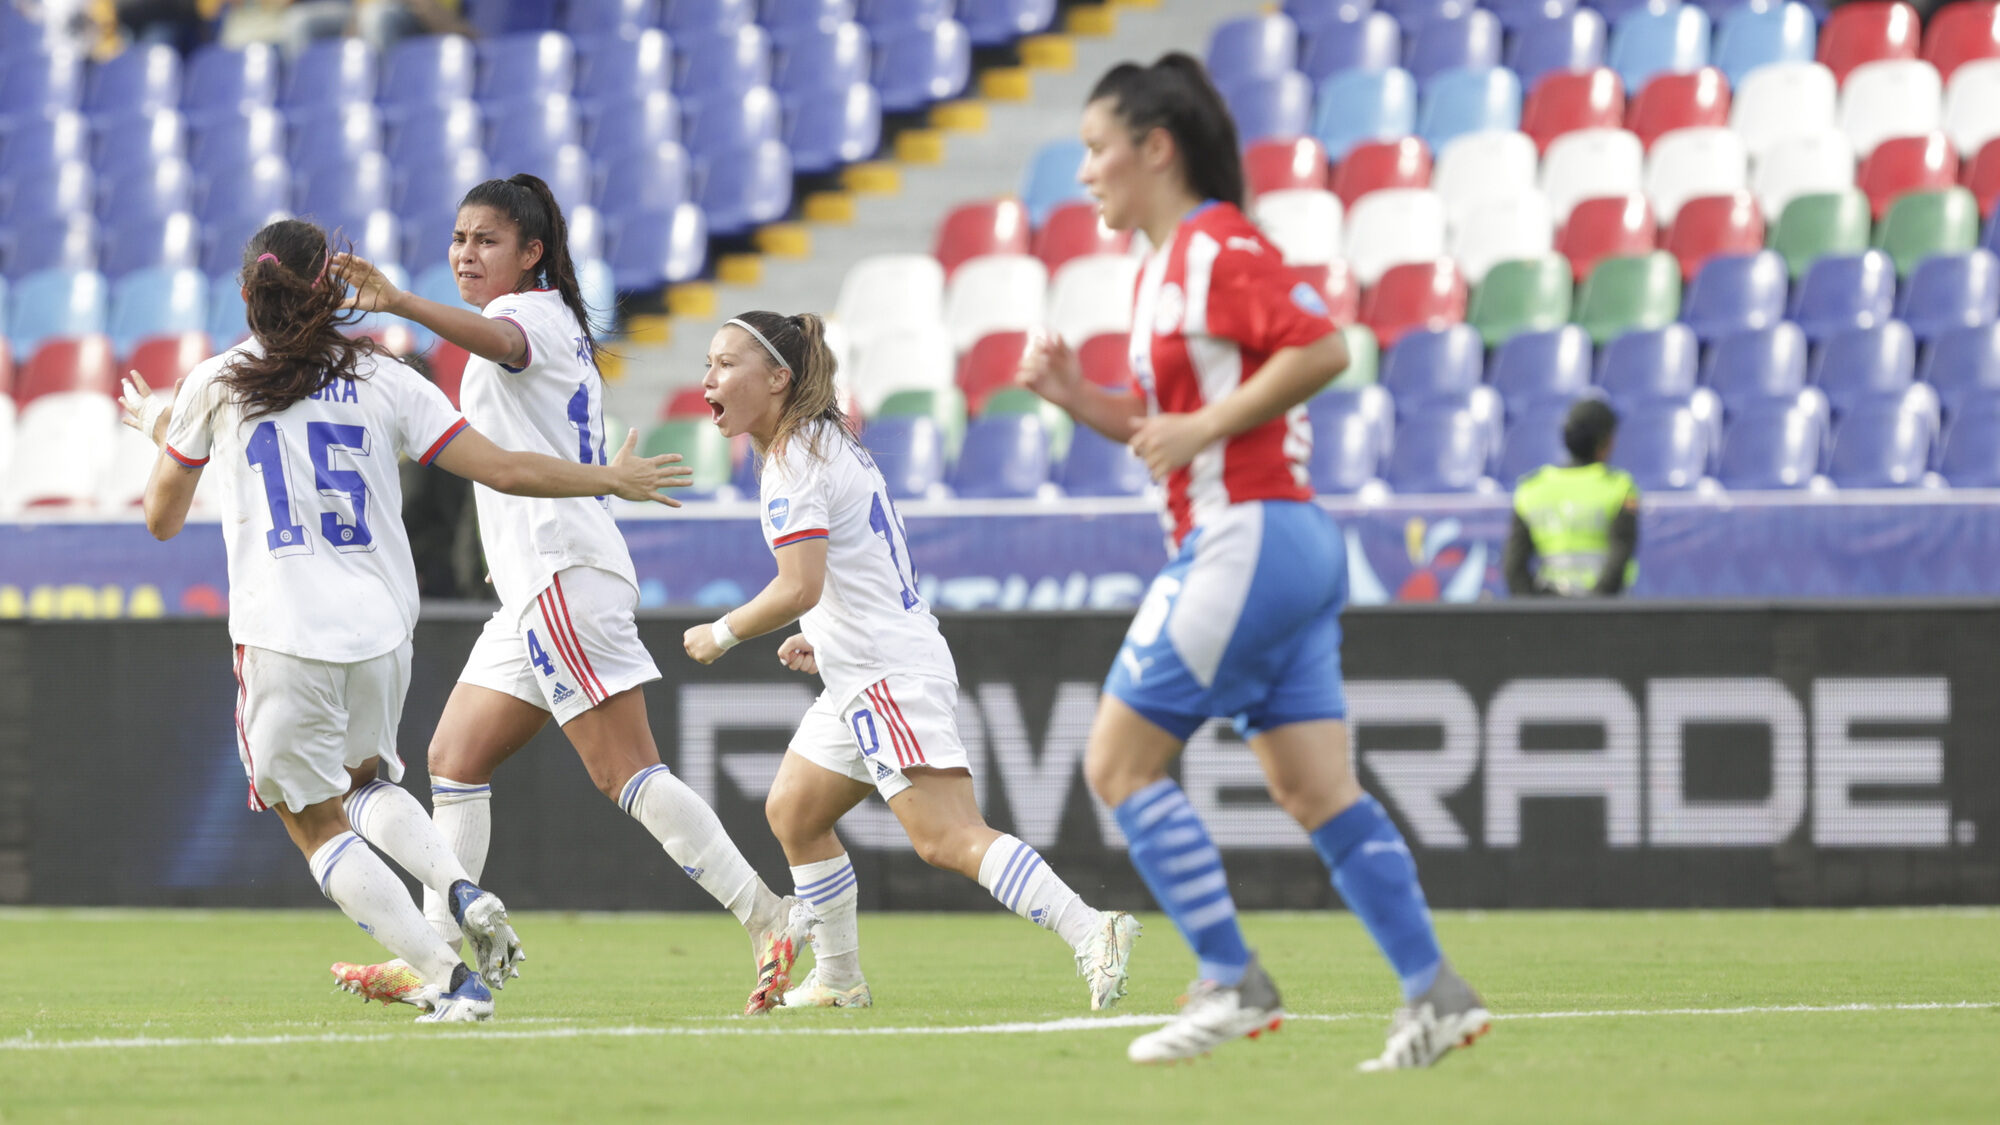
(800, 344)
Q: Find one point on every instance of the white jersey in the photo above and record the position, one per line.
(552, 404)
(312, 504)
(870, 620)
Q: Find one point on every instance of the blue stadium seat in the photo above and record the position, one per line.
(1949, 291)
(1963, 364)
(1468, 41)
(566, 169)
(1844, 291)
(1457, 102)
(719, 123)
(1370, 403)
(1574, 41)
(1005, 456)
(1051, 178)
(59, 242)
(222, 81)
(1662, 445)
(34, 145)
(223, 240)
(441, 181)
(917, 66)
(1615, 10)
(144, 78)
(620, 68)
(745, 187)
(1753, 368)
(533, 126)
(227, 322)
(1534, 439)
(340, 190)
(427, 238)
(332, 72)
(1651, 365)
(722, 63)
(829, 128)
(1517, 14)
(811, 57)
(143, 241)
(57, 302)
(1430, 364)
(583, 18)
(1416, 13)
(66, 185)
(376, 235)
(1253, 47)
(1971, 456)
(909, 449)
(135, 141)
(327, 136)
(697, 16)
(1737, 293)
(1439, 451)
(428, 69)
(157, 302)
(1751, 35)
(618, 124)
(1772, 446)
(1098, 466)
(1534, 370)
(997, 23)
(422, 130)
(1277, 106)
(651, 177)
(35, 84)
(651, 249)
(1364, 105)
(822, 14)
(1309, 14)
(257, 187)
(1862, 363)
(164, 188)
(1883, 442)
(495, 18)
(1355, 40)
(1350, 434)
(220, 143)
(1658, 39)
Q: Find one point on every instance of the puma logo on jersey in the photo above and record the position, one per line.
(1238, 242)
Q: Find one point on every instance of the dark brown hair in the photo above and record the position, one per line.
(1175, 94)
(528, 202)
(812, 396)
(294, 309)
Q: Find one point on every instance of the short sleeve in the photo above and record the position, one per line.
(425, 418)
(190, 431)
(795, 507)
(546, 335)
(1257, 302)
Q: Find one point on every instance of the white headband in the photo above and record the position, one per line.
(775, 357)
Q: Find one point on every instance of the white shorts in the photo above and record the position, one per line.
(301, 723)
(574, 647)
(899, 722)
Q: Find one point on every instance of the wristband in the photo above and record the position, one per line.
(149, 416)
(724, 638)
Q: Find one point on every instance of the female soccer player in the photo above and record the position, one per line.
(564, 642)
(306, 425)
(886, 721)
(1245, 619)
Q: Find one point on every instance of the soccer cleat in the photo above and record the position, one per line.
(391, 982)
(468, 1000)
(1103, 959)
(812, 994)
(1213, 1015)
(1450, 1014)
(481, 917)
(774, 952)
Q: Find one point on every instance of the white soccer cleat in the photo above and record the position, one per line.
(391, 982)
(1104, 958)
(468, 1001)
(482, 918)
(1214, 1015)
(774, 952)
(1449, 1015)
(812, 994)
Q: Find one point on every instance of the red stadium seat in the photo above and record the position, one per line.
(1713, 225)
(1073, 231)
(1609, 227)
(1982, 176)
(1336, 283)
(998, 226)
(1679, 101)
(1568, 100)
(1960, 33)
(990, 367)
(688, 402)
(1282, 164)
(1412, 296)
(1906, 164)
(68, 363)
(165, 360)
(1867, 31)
(1106, 360)
(6, 368)
(1374, 165)
(447, 362)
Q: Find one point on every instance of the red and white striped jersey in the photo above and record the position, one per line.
(1212, 307)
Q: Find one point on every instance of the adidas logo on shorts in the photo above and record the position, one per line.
(881, 772)
(561, 694)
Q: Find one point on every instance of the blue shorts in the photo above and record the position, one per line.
(1243, 623)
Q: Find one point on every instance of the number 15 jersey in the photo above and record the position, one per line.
(870, 621)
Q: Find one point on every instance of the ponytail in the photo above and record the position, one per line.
(812, 396)
(1175, 94)
(536, 215)
(294, 309)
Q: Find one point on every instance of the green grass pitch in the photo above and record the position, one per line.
(1821, 1016)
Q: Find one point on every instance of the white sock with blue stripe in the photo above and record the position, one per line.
(364, 888)
(830, 886)
(693, 835)
(1014, 874)
(462, 813)
(388, 817)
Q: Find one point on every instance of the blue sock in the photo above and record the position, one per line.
(1172, 851)
(1374, 873)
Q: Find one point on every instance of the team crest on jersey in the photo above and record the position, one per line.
(1168, 309)
(1308, 299)
(779, 509)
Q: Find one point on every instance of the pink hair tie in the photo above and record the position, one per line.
(267, 257)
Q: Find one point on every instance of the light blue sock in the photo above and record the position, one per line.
(1172, 851)
(1375, 874)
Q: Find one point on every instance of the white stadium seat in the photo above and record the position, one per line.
(1890, 98)
(995, 293)
(1808, 164)
(887, 292)
(1304, 223)
(1502, 229)
(63, 442)
(1690, 163)
(1779, 101)
(1393, 226)
(1590, 163)
(1092, 295)
(1478, 166)
(903, 359)
(1972, 106)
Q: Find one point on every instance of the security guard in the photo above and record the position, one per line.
(1581, 520)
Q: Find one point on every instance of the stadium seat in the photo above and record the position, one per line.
(1653, 364)
(1772, 445)
(327, 138)
(37, 83)
(344, 189)
(1363, 358)
(1845, 291)
(1468, 39)
(1809, 164)
(67, 364)
(1430, 364)
(944, 405)
(651, 176)
(1963, 365)
(1522, 295)
(1860, 33)
(1749, 369)
(50, 192)
(1349, 439)
(1364, 105)
(1284, 164)
(1266, 108)
(339, 71)
(444, 180)
(1858, 364)
(1884, 443)
(1625, 294)
(495, 18)
(1533, 441)
(422, 131)
(1905, 164)
(1098, 466)
(1590, 164)
(1749, 37)
(720, 63)
(1253, 47)
(41, 143)
(1679, 101)
(616, 125)
(834, 128)
(1092, 296)
(1378, 165)
(1663, 445)
(917, 66)
(1074, 230)
(624, 68)
(1982, 178)
(688, 402)
(742, 188)
(1005, 456)
(1533, 370)
(226, 80)
(890, 291)
(730, 122)
(428, 69)
(1612, 226)
(1460, 102)
(1950, 291)
(707, 15)
(1690, 163)
(1815, 226)
(61, 446)
(220, 143)
(1056, 422)
(227, 323)
(998, 226)
(1391, 227)
(1961, 33)
(1893, 98)
(1566, 101)
(534, 127)
(1440, 451)
(1739, 292)
(1051, 180)
(157, 302)
(137, 141)
(1570, 41)
(165, 360)
(910, 452)
(1972, 107)
(1667, 39)
(1354, 40)
(147, 240)
(1509, 227)
(654, 248)
(1781, 101)
(1923, 223)
(995, 293)
(58, 242)
(143, 78)
(1335, 284)
(997, 23)
(702, 448)
(990, 366)
(1716, 225)
(1971, 454)
(1105, 360)
(1414, 295)
(1479, 166)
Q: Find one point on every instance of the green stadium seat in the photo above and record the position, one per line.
(1923, 223)
(943, 405)
(1020, 400)
(1526, 295)
(701, 446)
(1628, 293)
(1814, 226)
(1363, 359)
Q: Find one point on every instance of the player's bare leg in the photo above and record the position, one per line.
(806, 801)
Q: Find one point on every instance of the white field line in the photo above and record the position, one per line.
(1080, 1023)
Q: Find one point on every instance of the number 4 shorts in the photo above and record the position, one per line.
(575, 646)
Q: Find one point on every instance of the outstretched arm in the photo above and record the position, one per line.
(501, 341)
(796, 589)
(629, 476)
(170, 488)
